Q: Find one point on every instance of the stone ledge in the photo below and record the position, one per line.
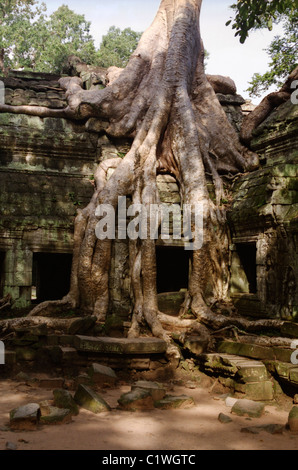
(120, 345)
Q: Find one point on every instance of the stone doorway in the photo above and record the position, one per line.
(244, 268)
(172, 268)
(50, 276)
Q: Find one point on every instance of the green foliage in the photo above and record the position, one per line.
(283, 53)
(255, 14)
(117, 46)
(31, 40)
(65, 33)
(16, 17)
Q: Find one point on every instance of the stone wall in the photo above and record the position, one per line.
(264, 216)
(46, 174)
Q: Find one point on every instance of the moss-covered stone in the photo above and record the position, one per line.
(102, 375)
(137, 399)
(64, 399)
(248, 408)
(156, 390)
(293, 420)
(248, 350)
(90, 400)
(56, 415)
(25, 418)
(175, 402)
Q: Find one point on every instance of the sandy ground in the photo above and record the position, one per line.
(197, 428)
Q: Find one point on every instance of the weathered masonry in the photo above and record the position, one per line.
(46, 174)
(264, 222)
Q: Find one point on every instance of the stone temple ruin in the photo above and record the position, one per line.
(46, 173)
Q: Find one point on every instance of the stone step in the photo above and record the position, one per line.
(229, 365)
(121, 346)
(256, 351)
(245, 377)
(286, 372)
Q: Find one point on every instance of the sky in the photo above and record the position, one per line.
(227, 56)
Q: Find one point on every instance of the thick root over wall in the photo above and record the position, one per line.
(166, 104)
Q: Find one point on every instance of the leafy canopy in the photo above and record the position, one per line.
(255, 14)
(16, 17)
(32, 40)
(117, 46)
(283, 54)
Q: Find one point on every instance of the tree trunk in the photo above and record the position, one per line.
(163, 100)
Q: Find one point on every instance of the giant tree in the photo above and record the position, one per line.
(166, 104)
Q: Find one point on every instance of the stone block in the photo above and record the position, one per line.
(248, 408)
(56, 416)
(120, 346)
(69, 355)
(248, 350)
(64, 399)
(282, 354)
(195, 344)
(90, 400)
(175, 402)
(224, 419)
(25, 418)
(101, 375)
(26, 354)
(170, 302)
(156, 390)
(249, 372)
(259, 391)
(137, 399)
(294, 375)
(293, 420)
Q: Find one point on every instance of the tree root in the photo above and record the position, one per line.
(62, 325)
(5, 302)
(267, 105)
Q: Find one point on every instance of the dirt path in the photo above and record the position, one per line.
(197, 428)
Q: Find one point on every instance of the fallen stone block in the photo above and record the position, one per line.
(11, 446)
(90, 400)
(293, 420)
(249, 408)
(102, 375)
(137, 399)
(45, 407)
(156, 390)
(270, 428)
(64, 399)
(230, 401)
(176, 402)
(25, 418)
(222, 418)
(55, 415)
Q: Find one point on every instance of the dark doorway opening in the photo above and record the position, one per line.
(2, 274)
(50, 276)
(247, 253)
(172, 269)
